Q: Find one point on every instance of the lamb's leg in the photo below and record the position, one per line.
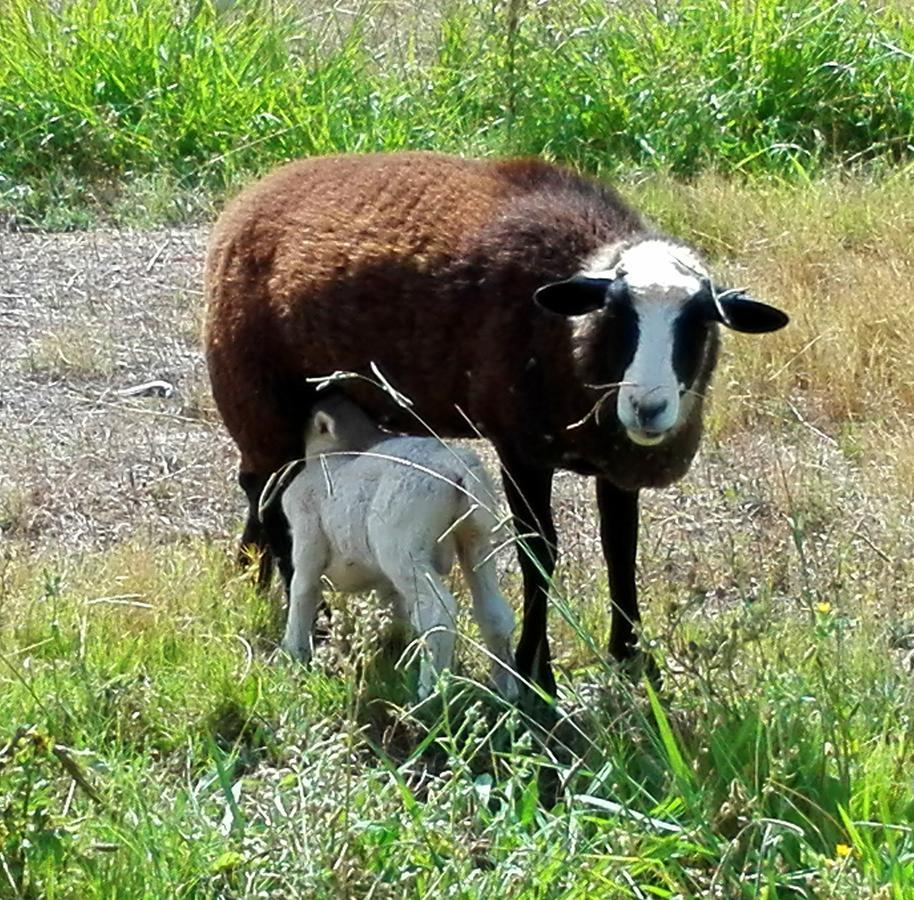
(529, 494)
(433, 613)
(304, 596)
(492, 612)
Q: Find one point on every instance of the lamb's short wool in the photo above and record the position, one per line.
(370, 511)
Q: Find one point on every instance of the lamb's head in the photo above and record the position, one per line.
(649, 314)
(337, 424)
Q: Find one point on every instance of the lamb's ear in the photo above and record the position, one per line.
(742, 313)
(324, 424)
(574, 296)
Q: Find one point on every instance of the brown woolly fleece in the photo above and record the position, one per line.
(425, 265)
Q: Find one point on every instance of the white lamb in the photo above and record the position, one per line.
(372, 511)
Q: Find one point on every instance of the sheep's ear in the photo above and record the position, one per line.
(574, 296)
(742, 313)
(324, 424)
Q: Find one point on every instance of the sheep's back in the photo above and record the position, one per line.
(422, 264)
(325, 220)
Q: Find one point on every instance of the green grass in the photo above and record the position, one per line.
(775, 762)
(144, 110)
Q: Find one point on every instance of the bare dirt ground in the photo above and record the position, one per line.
(85, 318)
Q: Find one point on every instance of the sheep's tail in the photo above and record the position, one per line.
(476, 497)
(478, 485)
(273, 490)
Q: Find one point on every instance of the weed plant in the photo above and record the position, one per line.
(167, 103)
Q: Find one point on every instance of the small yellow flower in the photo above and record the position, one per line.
(825, 609)
(843, 850)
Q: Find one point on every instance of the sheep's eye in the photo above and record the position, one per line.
(690, 335)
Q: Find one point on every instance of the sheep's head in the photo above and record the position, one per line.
(656, 311)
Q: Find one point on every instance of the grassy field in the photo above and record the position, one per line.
(156, 748)
(138, 110)
(151, 742)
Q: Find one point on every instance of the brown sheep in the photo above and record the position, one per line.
(427, 266)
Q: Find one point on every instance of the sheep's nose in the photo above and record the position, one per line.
(648, 411)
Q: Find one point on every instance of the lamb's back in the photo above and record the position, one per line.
(411, 487)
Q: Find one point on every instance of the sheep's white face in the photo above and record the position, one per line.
(661, 279)
(664, 314)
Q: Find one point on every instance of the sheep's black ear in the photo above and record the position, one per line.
(742, 313)
(574, 296)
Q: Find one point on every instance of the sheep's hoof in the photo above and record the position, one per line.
(642, 665)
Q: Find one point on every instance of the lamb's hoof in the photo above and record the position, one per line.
(296, 652)
(429, 681)
(506, 684)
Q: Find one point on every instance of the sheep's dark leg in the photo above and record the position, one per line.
(619, 536)
(269, 434)
(529, 493)
(277, 542)
(254, 538)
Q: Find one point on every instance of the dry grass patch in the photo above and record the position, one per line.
(72, 351)
(17, 507)
(838, 255)
(886, 453)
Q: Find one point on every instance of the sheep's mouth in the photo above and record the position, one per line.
(646, 437)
